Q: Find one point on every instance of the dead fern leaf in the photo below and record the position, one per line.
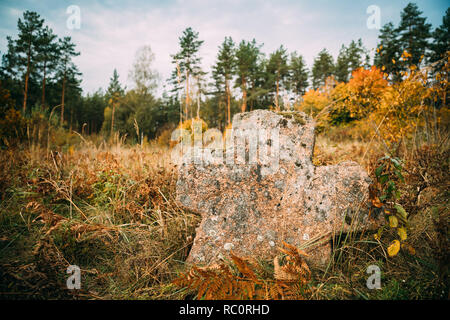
(244, 268)
(220, 282)
(292, 267)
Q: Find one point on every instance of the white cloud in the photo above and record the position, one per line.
(111, 33)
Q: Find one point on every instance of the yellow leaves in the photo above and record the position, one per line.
(397, 221)
(402, 233)
(394, 248)
(369, 94)
(314, 101)
(362, 94)
(393, 221)
(406, 55)
(393, 61)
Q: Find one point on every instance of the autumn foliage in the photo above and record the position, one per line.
(392, 110)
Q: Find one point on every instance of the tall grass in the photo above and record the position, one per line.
(109, 208)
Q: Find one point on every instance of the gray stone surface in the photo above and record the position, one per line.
(250, 208)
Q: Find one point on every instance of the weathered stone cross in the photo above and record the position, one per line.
(250, 206)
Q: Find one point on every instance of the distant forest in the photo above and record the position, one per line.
(38, 77)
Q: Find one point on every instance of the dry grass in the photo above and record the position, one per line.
(109, 208)
(329, 152)
(418, 273)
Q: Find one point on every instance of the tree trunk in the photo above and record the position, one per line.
(43, 86)
(27, 76)
(70, 125)
(25, 94)
(198, 105)
(277, 107)
(444, 101)
(187, 95)
(252, 102)
(112, 118)
(62, 99)
(244, 95)
(227, 89)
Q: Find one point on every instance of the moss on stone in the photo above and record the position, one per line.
(298, 118)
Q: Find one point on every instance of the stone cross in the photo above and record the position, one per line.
(267, 190)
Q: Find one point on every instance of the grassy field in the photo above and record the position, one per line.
(109, 208)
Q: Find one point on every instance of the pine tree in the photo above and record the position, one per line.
(341, 68)
(66, 69)
(349, 59)
(248, 55)
(223, 71)
(47, 57)
(278, 71)
(187, 64)
(387, 56)
(414, 33)
(323, 67)
(92, 112)
(23, 55)
(12, 71)
(441, 39)
(114, 93)
(298, 74)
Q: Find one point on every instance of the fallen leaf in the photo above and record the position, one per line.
(394, 248)
(402, 233)
(393, 221)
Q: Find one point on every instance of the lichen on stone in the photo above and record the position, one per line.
(251, 207)
(296, 116)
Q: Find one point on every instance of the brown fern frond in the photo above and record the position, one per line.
(221, 282)
(244, 268)
(294, 268)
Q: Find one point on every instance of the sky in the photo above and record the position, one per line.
(110, 32)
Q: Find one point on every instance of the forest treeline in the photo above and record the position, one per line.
(39, 79)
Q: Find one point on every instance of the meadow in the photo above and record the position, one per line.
(108, 207)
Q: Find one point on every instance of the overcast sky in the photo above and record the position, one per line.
(112, 31)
